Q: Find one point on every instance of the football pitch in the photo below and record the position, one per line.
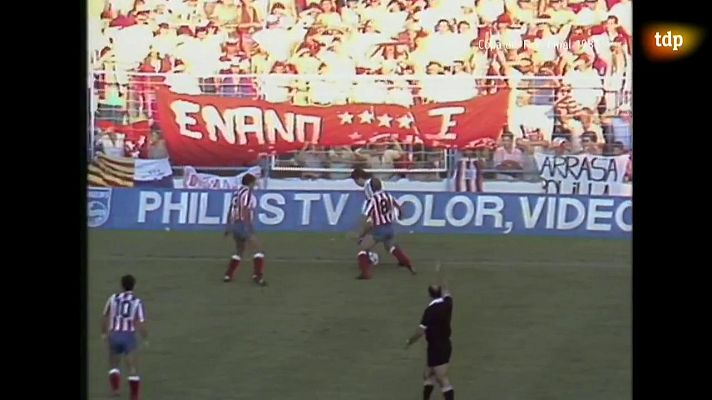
(534, 317)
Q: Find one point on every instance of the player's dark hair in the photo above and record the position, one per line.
(359, 173)
(435, 291)
(128, 282)
(376, 184)
(509, 135)
(248, 179)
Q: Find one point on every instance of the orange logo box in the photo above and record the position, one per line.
(671, 41)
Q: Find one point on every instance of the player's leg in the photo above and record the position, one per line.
(132, 365)
(403, 260)
(237, 257)
(115, 350)
(428, 382)
(443, 381)
(134, 378)
(258, 260)
(364, 262)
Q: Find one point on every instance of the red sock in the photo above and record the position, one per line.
(400, 256)
(134, 384)
(234, 263)
(364, 263)
(115, 379)
(259, 264)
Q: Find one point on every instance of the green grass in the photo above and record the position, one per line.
(534, 318)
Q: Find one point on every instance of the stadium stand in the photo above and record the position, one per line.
(569, 64)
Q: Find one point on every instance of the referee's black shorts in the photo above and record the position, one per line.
(439, 354)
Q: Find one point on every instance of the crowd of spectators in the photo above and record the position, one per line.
(568, 61)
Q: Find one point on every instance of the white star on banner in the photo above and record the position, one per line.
(366, 117)
(405, 121)
(385, 120)
(354, 136)
(346, 118)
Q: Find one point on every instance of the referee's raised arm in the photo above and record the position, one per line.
(442, 281)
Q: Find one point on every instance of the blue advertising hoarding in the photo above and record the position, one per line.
(338, 211)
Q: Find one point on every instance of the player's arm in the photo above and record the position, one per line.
(105, 318)
(364, 226)
(420, 330)
(141, 322)
(228, 217)
(397, 207)
(252, 205)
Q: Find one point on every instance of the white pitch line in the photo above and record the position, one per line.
(474, 263)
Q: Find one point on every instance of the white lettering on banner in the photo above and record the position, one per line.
(148, 201)
(227, 200)
(193, 208)
(272, 214)
(531, 217)
(214, 123)
(594, 213)
(494, 212)
(302, 122)
(181, 109)
(417, 209)
(450, 211)
(447, 114)
(564, 204)
(333, 215)
(597, 219)
(428, 219)
(550, 212)
(235, 124)
(169, 206)
(622, 208)
(249, 120)
(459, 211)
(273, 126)
(306, 199)
(203, 217)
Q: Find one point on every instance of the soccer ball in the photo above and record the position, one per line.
(373, 257)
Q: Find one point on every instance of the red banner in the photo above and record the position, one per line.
(208, 130)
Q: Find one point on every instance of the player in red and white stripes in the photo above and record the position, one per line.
(123, 316)
(381, 210)
(240, 221)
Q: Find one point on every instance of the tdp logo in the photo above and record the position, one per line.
(668, 40)
(98, 206)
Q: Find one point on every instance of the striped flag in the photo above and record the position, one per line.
(107, 171)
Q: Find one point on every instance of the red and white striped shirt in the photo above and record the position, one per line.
(244, 203)
(123, 309)
(381, 208)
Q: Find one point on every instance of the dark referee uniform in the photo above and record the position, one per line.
(436, 322)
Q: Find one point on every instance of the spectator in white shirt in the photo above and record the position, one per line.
(623, 10)
(370, 90)
(350, 17)
(329, 16)
(507, 157)
(165, 40)
(277, 87)
(551, 38)
(588, 15)
(560, 14)
(586, 84)
(489, 10)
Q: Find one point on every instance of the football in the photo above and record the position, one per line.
(373, 257)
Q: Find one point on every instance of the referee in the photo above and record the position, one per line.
(435, 324)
